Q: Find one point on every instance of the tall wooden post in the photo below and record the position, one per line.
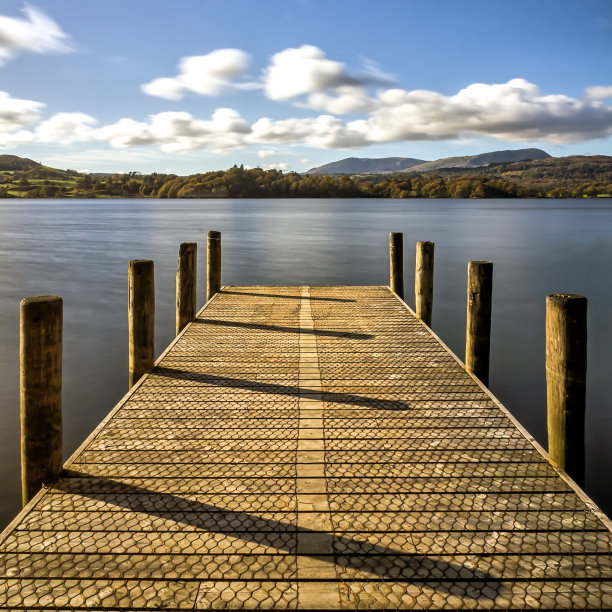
(396, 263)
(213, 264)
(141, 318)
(186, 284)
(566, 363)
(478, 329)
(40, 387)
(423, 281)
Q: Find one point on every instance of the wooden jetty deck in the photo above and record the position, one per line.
(308, 448)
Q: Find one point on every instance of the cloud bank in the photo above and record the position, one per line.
(513, 111)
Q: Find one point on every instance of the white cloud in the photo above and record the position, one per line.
(207, 75)
(324, 131)
(16, 113)
(170, 89)
(61, 128)
(598, 92)
(511, 111)
(344, 100)
(180, 132)
(305, 70)
(305, 160)
(263, 153)
(306, 76)
(283, 166)
(126, 133)
(36, 32)
(65, 128)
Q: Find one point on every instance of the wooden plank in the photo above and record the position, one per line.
(303, 448)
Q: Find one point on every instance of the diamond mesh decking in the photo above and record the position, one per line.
(308, 448)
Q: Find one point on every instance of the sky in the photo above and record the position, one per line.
(196, 85)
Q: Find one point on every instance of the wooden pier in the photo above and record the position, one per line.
(308, 448)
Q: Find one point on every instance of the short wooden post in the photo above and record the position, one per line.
(478, 329)
(423, 281)
(566, 363)
(396, 263)
(186, 284)
(40, 387)
(141, 318)
(213, 264)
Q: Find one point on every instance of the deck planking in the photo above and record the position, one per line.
(308, 448)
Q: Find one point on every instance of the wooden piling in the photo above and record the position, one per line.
(40, 387)
(396, 263)
(186, 284)
(141, 317)
(423, 281)
(213, 264)
(566, 363)
(478, 328)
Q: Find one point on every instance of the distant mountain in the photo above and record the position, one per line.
(478, 161)
(365, 165)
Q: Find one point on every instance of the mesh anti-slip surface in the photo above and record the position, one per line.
(307, 448)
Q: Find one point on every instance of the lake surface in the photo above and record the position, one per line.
(80, 251)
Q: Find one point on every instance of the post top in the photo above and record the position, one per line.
(396, 233)
(480, 263)
(564, 297)
(425, 242)
(186, 247)
(141, 262)
(214, 235)
(41, 299)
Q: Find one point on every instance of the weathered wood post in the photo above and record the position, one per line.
(396, 263)
(423, 281)
(566, 363)
(478, 329)
(40, 391)
(186, 284)
(141, 318)
(213, 264)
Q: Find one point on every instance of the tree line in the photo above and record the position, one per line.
(240, 182)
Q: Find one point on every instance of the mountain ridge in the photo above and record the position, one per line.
(384, 165)
(363, 165)
(481, 160)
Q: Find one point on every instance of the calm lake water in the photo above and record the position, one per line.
(80, 250)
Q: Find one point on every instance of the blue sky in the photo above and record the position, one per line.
(195, 85)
